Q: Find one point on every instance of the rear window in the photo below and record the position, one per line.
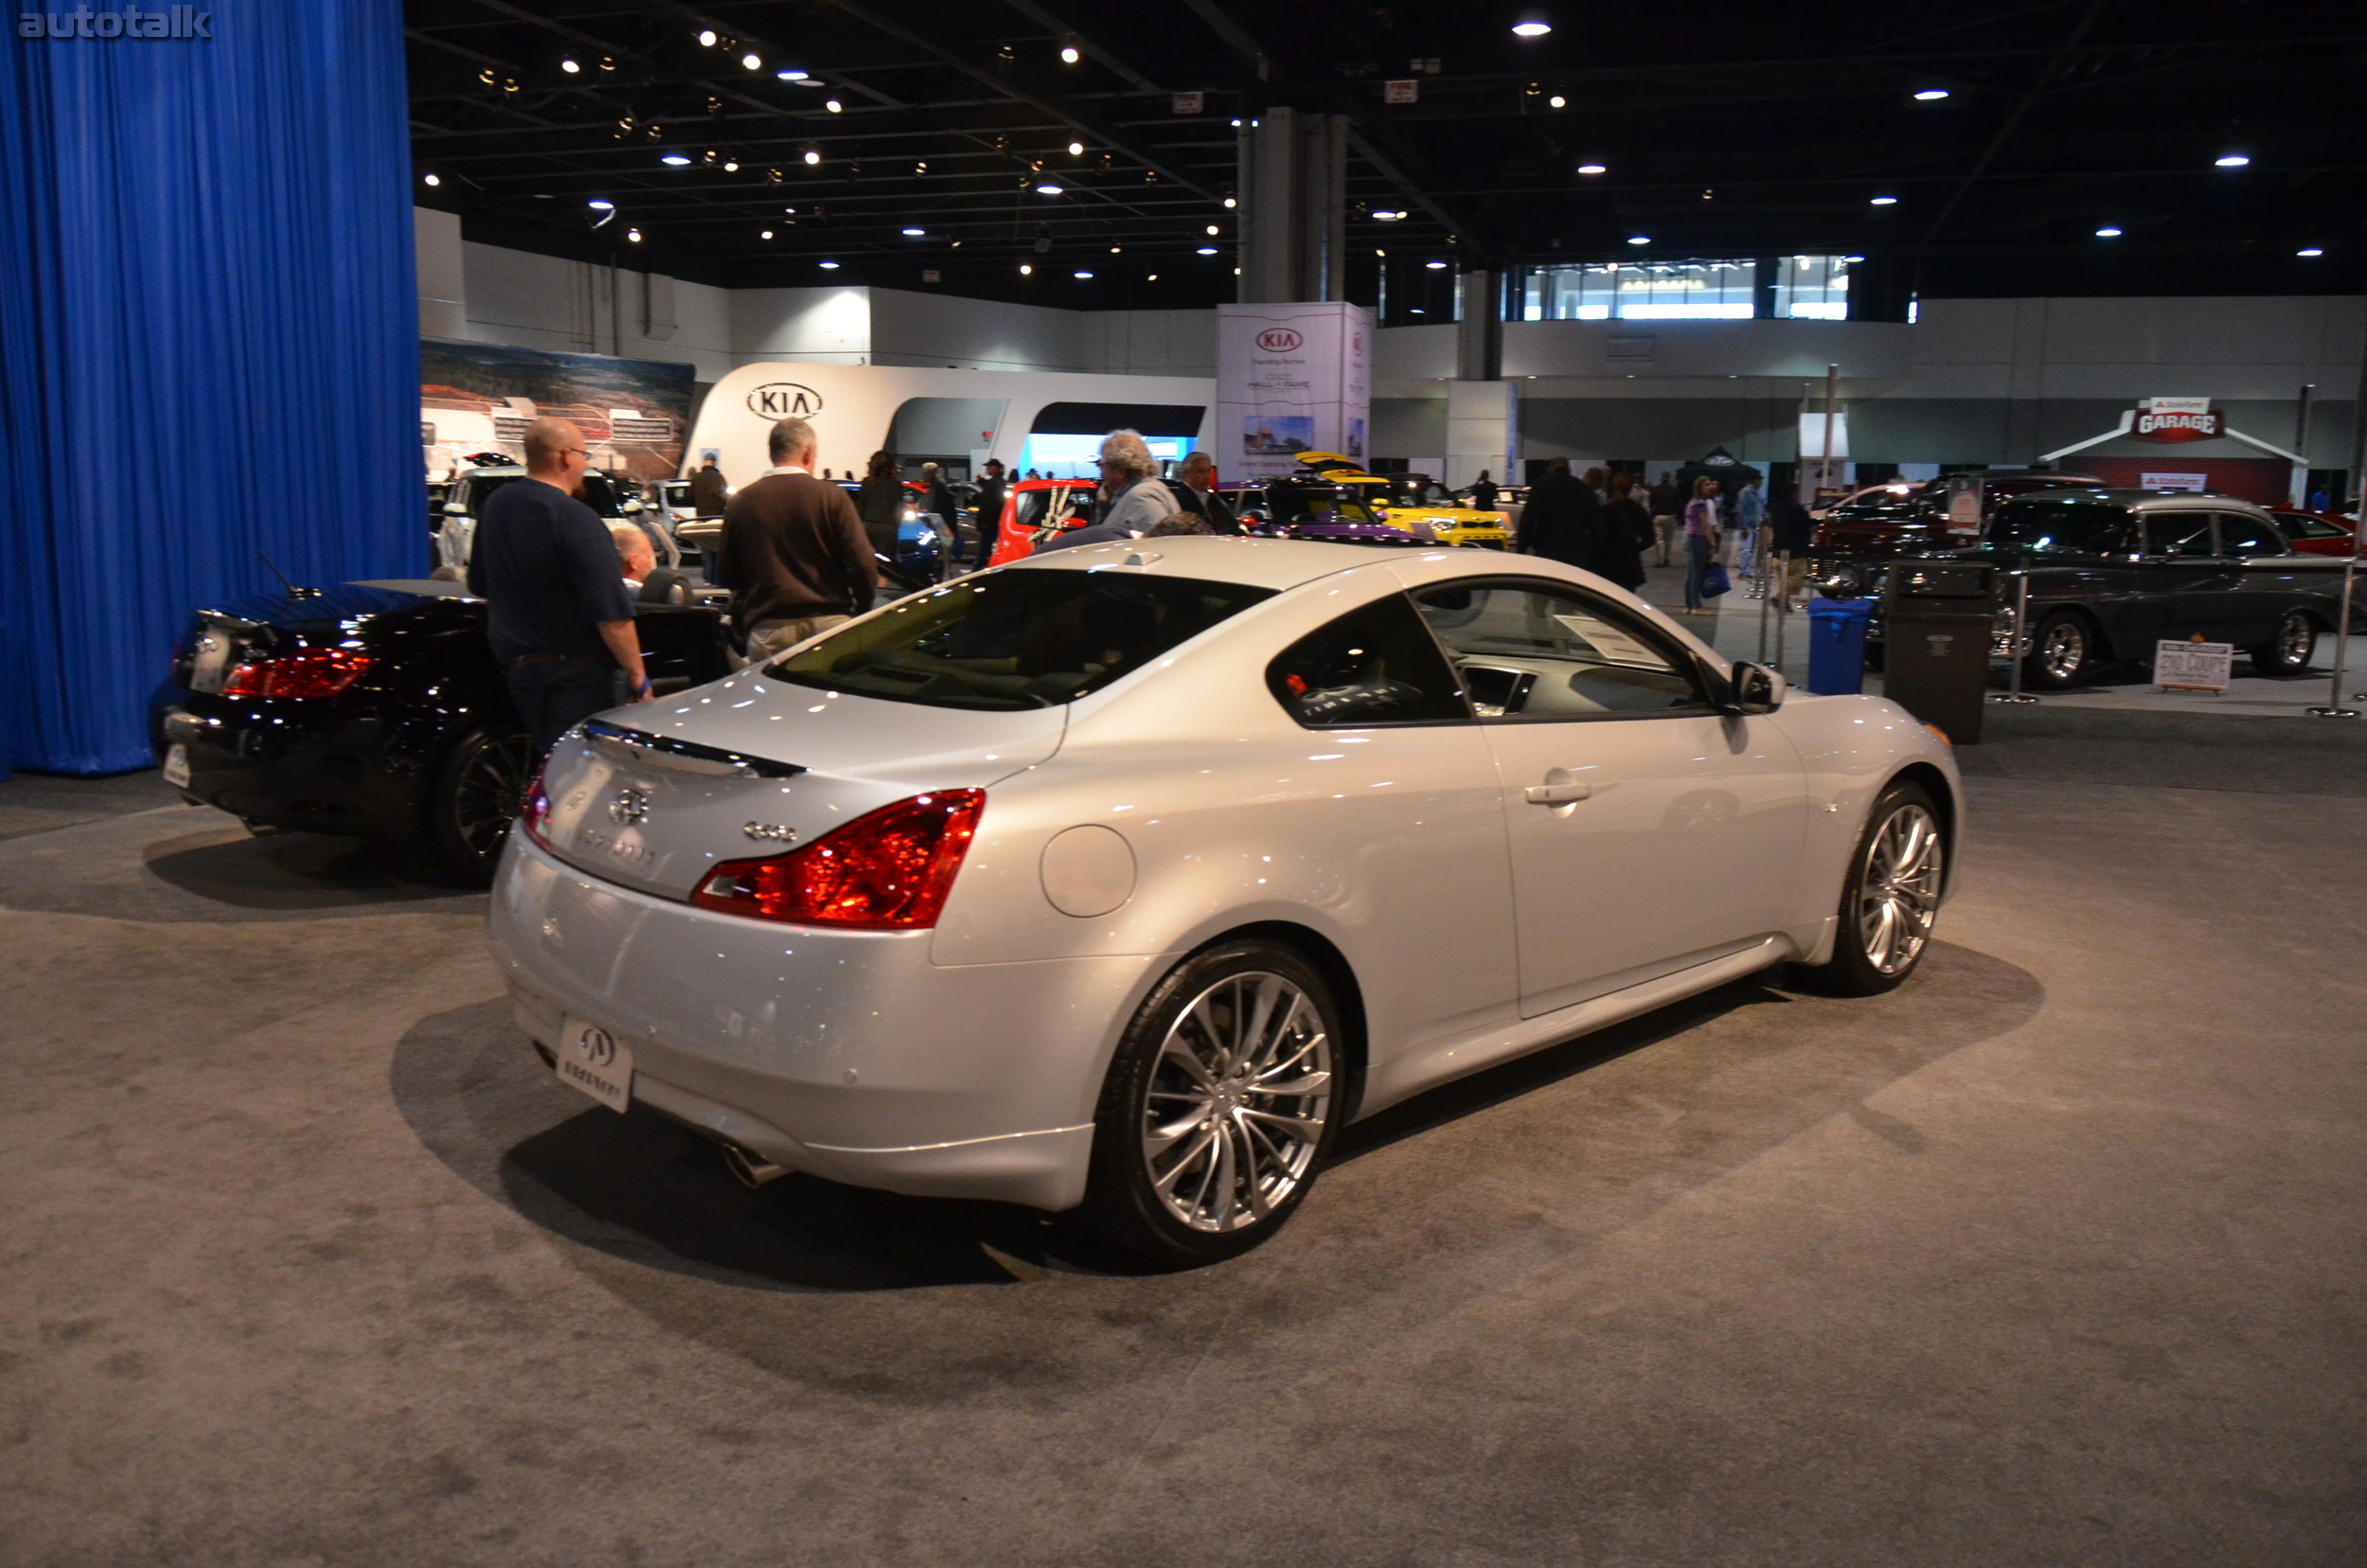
(1015, 639)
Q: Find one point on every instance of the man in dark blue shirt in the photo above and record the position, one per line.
(560, 618)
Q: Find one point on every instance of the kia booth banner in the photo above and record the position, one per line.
(1290, 379)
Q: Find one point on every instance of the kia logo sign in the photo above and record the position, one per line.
(784, 401)
(1278, 340)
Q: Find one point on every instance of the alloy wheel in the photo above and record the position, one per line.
(2063, 651)
(1238, 1100)
(2296, 641)
(490, 791)
(1898, 889)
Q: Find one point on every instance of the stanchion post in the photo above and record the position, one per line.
(1782, 610)
(2334, 708)
(2013, 692)
(1762, 622)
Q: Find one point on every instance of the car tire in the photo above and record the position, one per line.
(2062, 652)
(2289, 652)
(1192, 1160)
(1890, 899)
(476, 795)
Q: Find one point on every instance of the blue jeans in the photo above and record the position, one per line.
(555, 696)
(1697, 563)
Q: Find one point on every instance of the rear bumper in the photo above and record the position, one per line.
(845, 1053)
(326, 774)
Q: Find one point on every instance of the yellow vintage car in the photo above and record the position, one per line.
(1398, 500)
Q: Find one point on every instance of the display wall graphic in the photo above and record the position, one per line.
(480, 397)
(1290, 378)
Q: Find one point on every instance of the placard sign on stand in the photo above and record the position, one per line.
(2193, 666)
(1963, 504)
(1290, 378)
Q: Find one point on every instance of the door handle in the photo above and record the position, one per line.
(1556, 794)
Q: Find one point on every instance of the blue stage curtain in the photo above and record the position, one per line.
(209, 346)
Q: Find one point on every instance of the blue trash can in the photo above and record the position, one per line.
(1837, 631)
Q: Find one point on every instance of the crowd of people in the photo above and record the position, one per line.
(798, 551)
(1605, 521)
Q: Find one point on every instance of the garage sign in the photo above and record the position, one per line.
(2176, 420)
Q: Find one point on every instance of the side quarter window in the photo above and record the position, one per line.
(1372, 666)
(1535, 651)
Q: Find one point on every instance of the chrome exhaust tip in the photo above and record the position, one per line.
(750, 1171)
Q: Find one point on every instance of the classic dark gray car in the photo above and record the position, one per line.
(2112, 572)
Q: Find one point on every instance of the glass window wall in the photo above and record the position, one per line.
(1814, 287)
(1671, 291)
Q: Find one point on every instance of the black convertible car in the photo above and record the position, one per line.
(373, 709)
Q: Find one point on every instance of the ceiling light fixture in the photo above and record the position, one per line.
(828, 266)
(1531, 27)
(1076, 150)
(1929, 95)
(2107, 232)
(1047, 190)
(1228, 203)
(1115, 250)
(1884, 201)
(1212, 231)
(569, 66)
(915, 233)
(731, 166)
(766, 235)
(1205, 249)
(1085, 274)
(812, 156)
(1069, 54)
(833, 106)
(790, 75)
(1435, 266)
(1025, 270)
(2310, 250)
(2231, 160)
(752, 62)
(1388, 215)
(1639, 238)
(633, 235)
(1154, 278)
(706, 38)
(675, 160)
(597, 205)
(1559, 102)
(1592, 168)
(432, 180)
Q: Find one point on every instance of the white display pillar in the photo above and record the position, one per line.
(1483, 432)
(443, 286)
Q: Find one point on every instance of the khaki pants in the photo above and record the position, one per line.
(769, 639)
(1664, 530)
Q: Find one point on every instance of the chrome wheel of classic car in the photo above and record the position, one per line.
(1893, 898)
(2289, 652)
(1221, 1105)
(477, 796)
(2061, 651)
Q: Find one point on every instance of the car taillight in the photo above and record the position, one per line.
(306, 672)
(887, 871)
(534, 812)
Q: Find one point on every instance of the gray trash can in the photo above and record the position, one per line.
(1936, 620)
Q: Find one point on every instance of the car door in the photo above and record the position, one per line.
(1647, 830)
(2261, 583)
(2181, 579)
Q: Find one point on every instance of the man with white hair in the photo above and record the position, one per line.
(635, 556)
(1132, 499)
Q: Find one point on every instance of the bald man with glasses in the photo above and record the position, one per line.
(559, 617)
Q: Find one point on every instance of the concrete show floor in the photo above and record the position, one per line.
(2055, 1255)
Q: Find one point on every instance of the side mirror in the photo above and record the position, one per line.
(456, 509)
(1753, 688)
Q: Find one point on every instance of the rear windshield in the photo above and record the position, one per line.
(1015, 639)
(2081, 526)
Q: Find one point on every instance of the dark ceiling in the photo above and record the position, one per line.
(1724, 130)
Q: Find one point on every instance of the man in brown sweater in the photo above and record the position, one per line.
(794, 552)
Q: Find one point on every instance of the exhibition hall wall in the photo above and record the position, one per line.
(211, 349)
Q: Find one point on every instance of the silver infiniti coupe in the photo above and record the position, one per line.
(1114, 879)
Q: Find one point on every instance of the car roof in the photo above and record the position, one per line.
(2152, 500)
(1282, 564)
